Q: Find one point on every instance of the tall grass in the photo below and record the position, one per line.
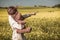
(42, 29)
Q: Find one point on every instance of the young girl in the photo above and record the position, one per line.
(17, 23)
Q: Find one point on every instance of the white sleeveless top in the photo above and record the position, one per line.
(14, 25)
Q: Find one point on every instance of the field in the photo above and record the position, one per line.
(45, 24)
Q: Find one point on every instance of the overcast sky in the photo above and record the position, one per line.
(5, 3)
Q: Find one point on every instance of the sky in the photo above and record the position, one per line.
(6, 3)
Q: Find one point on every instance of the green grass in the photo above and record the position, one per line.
(45, 25)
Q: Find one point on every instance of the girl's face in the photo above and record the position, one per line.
(11, 11)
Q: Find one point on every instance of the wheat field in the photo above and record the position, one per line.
(45, 24)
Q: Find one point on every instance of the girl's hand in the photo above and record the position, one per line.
(34, 13)
(28, 29)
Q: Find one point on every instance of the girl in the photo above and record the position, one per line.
(17, 23)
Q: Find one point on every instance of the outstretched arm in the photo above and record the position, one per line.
(28, 15)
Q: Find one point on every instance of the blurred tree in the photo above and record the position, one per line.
(35, 5)
(57, 5)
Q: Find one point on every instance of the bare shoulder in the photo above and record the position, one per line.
(18, 16)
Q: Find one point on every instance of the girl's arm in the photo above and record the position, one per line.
(28, 15)
(26, 30)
